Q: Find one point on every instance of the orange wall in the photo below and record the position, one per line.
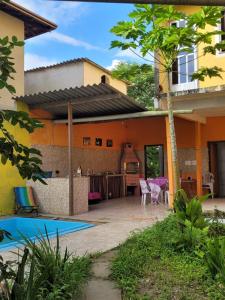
(140, 132)
(150, 131)
(214, 130)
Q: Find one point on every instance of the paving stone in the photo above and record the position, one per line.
(101, 269)
(108, 256)
(100, 289)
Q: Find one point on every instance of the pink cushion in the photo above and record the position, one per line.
(94, 196)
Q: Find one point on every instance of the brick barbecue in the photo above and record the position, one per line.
(130, 165)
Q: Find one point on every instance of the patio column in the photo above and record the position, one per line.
(198, 151)
(70, 156)
(170, 165)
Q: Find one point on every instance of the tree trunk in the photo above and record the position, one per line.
(175, 164)
(174, 2)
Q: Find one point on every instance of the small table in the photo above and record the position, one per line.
(190, 187)
(161, 182)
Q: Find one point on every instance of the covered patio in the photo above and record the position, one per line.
(98, 112)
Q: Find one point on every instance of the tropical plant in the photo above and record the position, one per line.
(141, 78)
(215, 257)
(43, 272)
(190, 210)
(59, 275)
(17, 278)
(150, 30)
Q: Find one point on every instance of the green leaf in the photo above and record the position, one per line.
(204, 72)
(4, 159)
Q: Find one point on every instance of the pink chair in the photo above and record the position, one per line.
(144, 191)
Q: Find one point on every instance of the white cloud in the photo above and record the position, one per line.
(115, 63)
(59, 12)
(35, 61)
(66, 39)
(56, 36)
(129, 54)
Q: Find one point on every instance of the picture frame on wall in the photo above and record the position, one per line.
(109, 143)
(98, 142)
(86, 141)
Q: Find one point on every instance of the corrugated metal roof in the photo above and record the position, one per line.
(87, 101)
(66, 62)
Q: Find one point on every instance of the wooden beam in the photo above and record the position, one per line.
(174, 2)
(144, 114)
(70, 156)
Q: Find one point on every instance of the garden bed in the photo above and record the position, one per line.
(149, 266)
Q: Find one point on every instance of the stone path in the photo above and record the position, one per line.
(101, 286)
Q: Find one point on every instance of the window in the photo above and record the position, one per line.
(183, 68)
(184, 65)
(104, 79)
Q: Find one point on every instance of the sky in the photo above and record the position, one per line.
(83, 31)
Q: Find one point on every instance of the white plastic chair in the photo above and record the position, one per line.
(155, 192)
(144, 191)
(208, 182)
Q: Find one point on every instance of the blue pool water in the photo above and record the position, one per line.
(32, 227)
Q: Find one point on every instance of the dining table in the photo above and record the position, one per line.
(162, 182)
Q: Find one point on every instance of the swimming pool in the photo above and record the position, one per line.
(32, 227)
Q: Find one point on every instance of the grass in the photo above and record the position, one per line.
(149, 267)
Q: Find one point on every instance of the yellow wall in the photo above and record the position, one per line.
(10, 26)
(92, 75)
(208, 60)
(10, 177)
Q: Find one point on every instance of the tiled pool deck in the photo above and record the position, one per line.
(115, 220)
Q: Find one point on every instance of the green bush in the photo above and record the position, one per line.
(43, 272)
(17, 283)
(190, 210)
(59, 275)
(215, 257)
(216, 229)
(148, 266)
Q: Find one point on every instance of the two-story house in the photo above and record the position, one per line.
(86, 111)
(207, 100)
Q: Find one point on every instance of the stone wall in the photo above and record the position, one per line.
(56, 158)
(188, 155)
(53, 198)
(100, 160)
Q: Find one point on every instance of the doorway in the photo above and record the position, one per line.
(217, 166)
(154, 161)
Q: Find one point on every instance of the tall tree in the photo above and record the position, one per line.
(151, 30)
(141, 78)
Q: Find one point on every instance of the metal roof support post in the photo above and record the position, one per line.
(70, 156)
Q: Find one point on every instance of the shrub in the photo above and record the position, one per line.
(60, 276)
(15, 283)
(216, 229)
(190, 209)
(43, 272)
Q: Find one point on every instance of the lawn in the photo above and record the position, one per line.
(150, 266)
